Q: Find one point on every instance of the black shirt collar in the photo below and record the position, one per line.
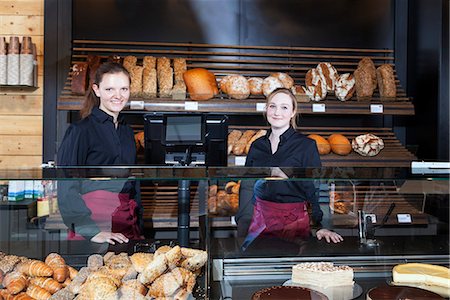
(103, 116)
(284, 136)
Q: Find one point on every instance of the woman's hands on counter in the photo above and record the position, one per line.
(109, 237)
(329, 236)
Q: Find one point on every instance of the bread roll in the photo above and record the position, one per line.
(201, 84)
(285, 79)
(149, 83)
(328, 74)
(136, 81)
(233, 137)
(270, 84)
(345, 87)
(140, 260)
(255, 85)
(259, 134)
(223, 83)
(229, 186)
(386, 82)
(339, 144)
(365, 79)
(323, 146)
(237, 87)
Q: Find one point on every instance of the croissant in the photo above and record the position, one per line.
(2, 274)
(47, 283)
(58, 265)
(15, 282)
(34, 268)
(66, 282)
(21, 296)
(38, 293)
(72, 272)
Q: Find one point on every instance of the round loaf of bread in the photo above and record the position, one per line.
(201, 84)
(285, 79)
(223, 83)
(323, 146)
(367, 144)
(328, 74)
(339, 144)
(237, 87)
(270, 84)
(316, 88)
(255, 84)
(345, 87)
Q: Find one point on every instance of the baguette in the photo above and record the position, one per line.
(233, 137)
(259, 134)
(239, 146)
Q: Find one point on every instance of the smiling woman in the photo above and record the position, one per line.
(92, 210)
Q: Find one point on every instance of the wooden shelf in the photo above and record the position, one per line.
(248, 61)
(393, 154)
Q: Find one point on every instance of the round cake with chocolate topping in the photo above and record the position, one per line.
(400, 292)
(288, 293)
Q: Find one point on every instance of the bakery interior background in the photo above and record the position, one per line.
(417, 30)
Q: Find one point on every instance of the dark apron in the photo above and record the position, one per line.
(112, 212)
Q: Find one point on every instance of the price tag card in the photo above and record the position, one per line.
(260, 106)
(233, 220)
(376, 108)
(139, 105)
(404, 218)
(373, 217)
(318, 107)
(240, 160)
(191, 105)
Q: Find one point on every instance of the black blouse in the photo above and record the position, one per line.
(295, 150)
(93, 141)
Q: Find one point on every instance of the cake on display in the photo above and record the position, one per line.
(323, 274)
(400, 293)
(288, 293)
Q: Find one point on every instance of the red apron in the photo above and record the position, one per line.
(112, 212)
(287, 221)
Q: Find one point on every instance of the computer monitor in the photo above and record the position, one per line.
(187, 130)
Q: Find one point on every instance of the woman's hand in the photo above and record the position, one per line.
(109, 237)
(329, 236)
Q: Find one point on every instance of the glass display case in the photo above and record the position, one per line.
(386, 216)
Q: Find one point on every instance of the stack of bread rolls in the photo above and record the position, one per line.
(239, 142)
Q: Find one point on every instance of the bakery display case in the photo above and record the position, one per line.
(387, 217)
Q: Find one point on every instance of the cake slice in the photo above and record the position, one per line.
(422, 273)
(323, 274)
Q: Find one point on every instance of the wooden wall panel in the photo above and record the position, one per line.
(21, 107)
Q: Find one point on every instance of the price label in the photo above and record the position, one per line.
(191, 105)
(240, 160)
(260, 106)
(376, 108)
(318, 107)
(233, 220)
(139, 105)
(404, 218)
(373, 217)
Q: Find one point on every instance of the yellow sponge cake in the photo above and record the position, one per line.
(422, 274)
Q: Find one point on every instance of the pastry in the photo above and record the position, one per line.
(339, 144)
(259, 134)
(285, 79)
(173, 257)
(8, 262)
(38, 293)
(422, 273)
(238, 87)
(255, 85)
(15, 282)
(140, 260)
(34, 268)
(324, 274)
(367, 144)
(153, 270)
(239, 146)
(233, 137)
(58, 265)
(270, 84)
(95, 261)
(201, 84)
(386, 82)
(323, 146)
(229, 185)
(212, 190)
(235, 188)
(345, 87)
(328, 74)
(79, 78)
(365, 79)
(400, 292)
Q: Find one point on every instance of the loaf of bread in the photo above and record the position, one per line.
(316, 88)
(270, 84)
(179, 67)
(285, 79)
(136, 81)
(93, 64)
(201, 84)
(255, 85)
(233, 137)
(345, 87)
(299, 93)
(162, 63)
(339, 144)
(179, 91)
(386, 82)
(257, 135)
(165, 81)
(149, 83)
(328, 75)
(239, 146)
(79, 78)
(323, 146)
(367, 144)
(238, 87)
(149, 62)
(129, 62)
(365, 79)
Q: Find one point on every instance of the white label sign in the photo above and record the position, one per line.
(318, 107)
(240, 160)
(373, 217)
(191, 105)
(376, 108)
(260, 106)
(137, 105)
(404, 218)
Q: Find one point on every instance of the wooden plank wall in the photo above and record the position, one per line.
(21, 108)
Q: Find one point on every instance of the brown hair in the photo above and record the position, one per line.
(91, 99)
(294, 103)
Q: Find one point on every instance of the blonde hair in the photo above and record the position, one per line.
(293, 99)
